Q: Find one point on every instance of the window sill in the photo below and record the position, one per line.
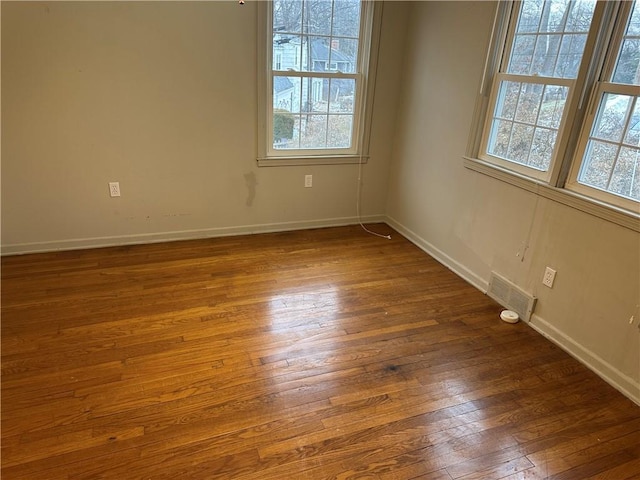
(588, 205)
(311, 160)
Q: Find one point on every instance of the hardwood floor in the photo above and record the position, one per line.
(320, 354)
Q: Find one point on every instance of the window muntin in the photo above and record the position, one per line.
(317, 86)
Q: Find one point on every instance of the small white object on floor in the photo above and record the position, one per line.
(509, 316)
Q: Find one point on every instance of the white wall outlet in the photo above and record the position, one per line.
(308, 181)
(114, 189)
(549, 277)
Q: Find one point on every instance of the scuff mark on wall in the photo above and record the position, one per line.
(251, 182)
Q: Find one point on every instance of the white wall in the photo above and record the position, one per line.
(476, 224)
(160, 96)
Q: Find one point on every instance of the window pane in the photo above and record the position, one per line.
(598, 164)
(317, 17)
(286, 102)
(508, 100)
(340, 128)
(544, 141)
(520, 143)
(313, 131)
(552, 107)
(634, 21)
(287, 16)
(346, 18)
(546, 55)
(624, 180)
(340, 95)
(570, 56)
(635, 185)
(295, 94)
(612, 117)
(286, 94)
(545, 26)
(286, 52)
(313, 95)
(529, 103)
(628, 64)
(344, 55)
(632, 136)
(315, 54)
(500, 135)
(286, 130)
(530, 16)
(553, 16)
(522, 55)
(580, 14)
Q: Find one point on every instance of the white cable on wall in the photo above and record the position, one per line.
(361, 147)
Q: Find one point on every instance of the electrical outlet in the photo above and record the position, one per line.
(308, 181)
(114, 189)
(549, 277)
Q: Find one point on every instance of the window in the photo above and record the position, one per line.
(536, 82)
(610, 144)
(316, 77)
(561, 88)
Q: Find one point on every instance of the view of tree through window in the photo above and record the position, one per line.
(534, 86)
(316, 44)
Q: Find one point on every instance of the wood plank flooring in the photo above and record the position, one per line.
(319, 354)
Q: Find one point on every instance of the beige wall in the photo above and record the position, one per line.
(476, 224)
(160, 96)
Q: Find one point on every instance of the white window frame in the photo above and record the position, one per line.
(370, 25)
(557, 183)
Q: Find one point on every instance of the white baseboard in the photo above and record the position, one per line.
(614, 377)
(440, 256)
(97, 242)
(621, 382)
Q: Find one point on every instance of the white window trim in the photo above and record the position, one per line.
(371, 19)
(589, 205)
(556, 186)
